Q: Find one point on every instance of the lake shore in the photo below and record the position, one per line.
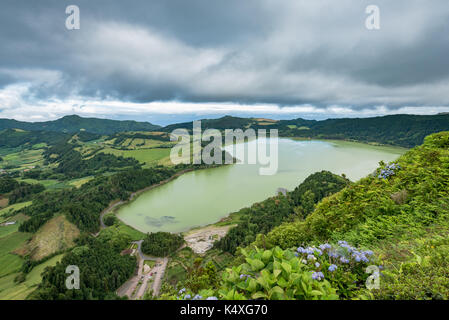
(225, 187)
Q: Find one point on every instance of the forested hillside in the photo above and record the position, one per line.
(73, 123)
(264, 216)
(401, 130)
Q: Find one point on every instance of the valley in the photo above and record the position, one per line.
(78, 196)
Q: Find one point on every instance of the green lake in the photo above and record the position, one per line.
(205, 196)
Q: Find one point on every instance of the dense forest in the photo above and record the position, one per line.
(18, 191)
(12, 138)
(262, 217)
(161, 244)
(102, 270)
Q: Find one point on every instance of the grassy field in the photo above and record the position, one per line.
(9, 290)
(23, 159)
(13, 207)
(9, 262)
(148, 156)
(150, 263)
(6, 230)
(125, 229)
(79, 182)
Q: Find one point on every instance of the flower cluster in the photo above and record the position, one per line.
(326, 258)
(184, 295)
(310, 250)
(389, 171)
(317, 276)
(332, 268)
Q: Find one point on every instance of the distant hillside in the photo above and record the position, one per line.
(226, 122)
(76, 123)
(401, 130)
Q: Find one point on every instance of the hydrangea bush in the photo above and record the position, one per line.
(323, 272)
(389, 170)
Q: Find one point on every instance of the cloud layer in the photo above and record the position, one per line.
(287, 57)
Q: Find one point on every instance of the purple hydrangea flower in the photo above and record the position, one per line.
(344, 260)
(317, 276)
(332, 268)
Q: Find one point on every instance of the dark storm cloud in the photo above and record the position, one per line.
(280, 52)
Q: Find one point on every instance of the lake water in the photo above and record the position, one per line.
(205, 196)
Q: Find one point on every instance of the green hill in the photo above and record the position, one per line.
(76, 123)
(402, 214)
(401, 130)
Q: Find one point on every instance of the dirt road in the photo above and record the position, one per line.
(159, 271)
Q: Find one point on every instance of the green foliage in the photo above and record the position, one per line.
(25, 192)
(7, 184)
(114, 238)
(312, 273)
(314, 188)
(161, 244)
(71, 163)
(16, 138)
(202, 277)
(385, 213)
(18, 191)
(102, 271)
(110, 220)
(273, 274)
(366, 212)
(423, 275)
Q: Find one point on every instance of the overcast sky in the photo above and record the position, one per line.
(171, 60)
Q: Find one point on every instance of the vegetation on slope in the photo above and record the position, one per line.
(83, 205)
(102, 271)
(403, 216)
(401, 130)
(76, 123)
(261, 217)
(161, 244)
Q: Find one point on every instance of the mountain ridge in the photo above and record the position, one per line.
(75, 123)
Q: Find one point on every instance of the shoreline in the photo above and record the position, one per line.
(118, 203)
(114, 205)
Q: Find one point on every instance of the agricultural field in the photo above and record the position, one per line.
(12, 208)
(79, 182)
(147, 156)
(9, 261)
(9, 290)
(24, 159)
